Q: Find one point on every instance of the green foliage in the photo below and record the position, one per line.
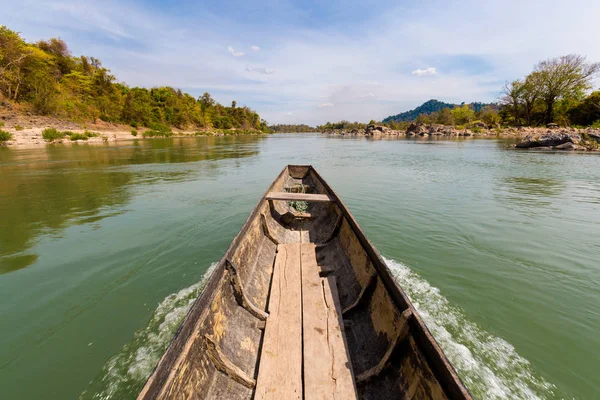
(292, 128)
(154, 133)
(134, 132)
(47, 76)
(51, 134)
(77, 136)
(19, 128)
(341, 125)
(4, 136)
(476, 129)
(463, 114)
(596, 124)
(1, 124)
(589, 142)
(91, 134)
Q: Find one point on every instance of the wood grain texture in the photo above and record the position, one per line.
(327, 368)
(320, 198)
(280, 368)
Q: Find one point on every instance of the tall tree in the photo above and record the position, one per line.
(564, 77)
(511, 99)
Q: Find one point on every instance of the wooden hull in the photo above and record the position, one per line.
(227, 345)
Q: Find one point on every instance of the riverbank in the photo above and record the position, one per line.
(27, 131)
(550, 138)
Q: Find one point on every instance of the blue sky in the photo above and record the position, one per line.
(317, 61)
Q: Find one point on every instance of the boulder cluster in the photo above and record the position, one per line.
(551, 137)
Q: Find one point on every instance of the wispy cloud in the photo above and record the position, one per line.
(424, 72)
(235, 53)
(262, 71)
(325, 105)
(364, 96)
(255, 48)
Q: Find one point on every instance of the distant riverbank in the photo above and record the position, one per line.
(28, 131)
(552, 137)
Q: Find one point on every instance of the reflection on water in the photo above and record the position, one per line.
(530, 192)
(45, 190)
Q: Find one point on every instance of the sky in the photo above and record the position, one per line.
(317, 61)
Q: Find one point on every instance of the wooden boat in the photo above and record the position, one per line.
(302, 306)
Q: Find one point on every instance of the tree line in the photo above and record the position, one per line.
(554, 92)
(292, 128)
(50, 81)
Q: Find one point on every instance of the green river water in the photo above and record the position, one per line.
(103, 248)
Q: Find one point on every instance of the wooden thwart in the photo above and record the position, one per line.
(319, 198)
(280, 368)
(327, 367)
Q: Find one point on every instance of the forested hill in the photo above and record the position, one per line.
(429, 107)
(45, 79)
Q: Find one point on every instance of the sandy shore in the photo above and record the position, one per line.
(26, 131)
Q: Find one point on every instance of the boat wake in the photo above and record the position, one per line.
(488, 365)
(123, 376)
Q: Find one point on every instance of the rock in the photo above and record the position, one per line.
(565, 146)
(545, 140)
(552, 125)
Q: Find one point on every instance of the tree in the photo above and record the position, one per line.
(564, 77)
(463, 114)
(511, 99)
(490, 117)
(588, 111)
(529, 94)
(445, 117)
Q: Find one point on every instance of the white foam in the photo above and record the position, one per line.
(124, 374)
(488, 365)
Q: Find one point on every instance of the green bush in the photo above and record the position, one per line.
(77, 136)
(18, 128)
(595, 125)
(91, 134)
(153, 133)
(202, 133)
(134, 124)
(476, 129)
(1, 124)
(51, 134)
(155, 126)
(134, 132)
(4, 136)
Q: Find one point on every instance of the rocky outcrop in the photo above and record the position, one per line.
(547, 140)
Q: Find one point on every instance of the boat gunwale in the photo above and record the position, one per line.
(443, 371)
(150, 389)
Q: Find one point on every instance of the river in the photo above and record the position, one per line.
(103, 248)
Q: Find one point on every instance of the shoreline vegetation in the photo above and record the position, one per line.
(42, 85)
(48, 95)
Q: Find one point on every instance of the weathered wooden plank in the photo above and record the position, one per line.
(327, 368)
(320, 198)
(280, 367)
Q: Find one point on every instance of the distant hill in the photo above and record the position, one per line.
(429, 107)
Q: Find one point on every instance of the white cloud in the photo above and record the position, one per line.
(255, 48)
(325, 105)
(424, 72)
(289, 113)
(234, 53)
(368, 95)
(262, 71)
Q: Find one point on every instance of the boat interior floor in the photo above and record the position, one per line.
(304, 352)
